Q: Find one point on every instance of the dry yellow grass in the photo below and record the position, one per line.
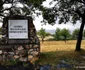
(53, 52)
(70, 45)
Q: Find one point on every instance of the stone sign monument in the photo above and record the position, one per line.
(19, 39)
(19, 30)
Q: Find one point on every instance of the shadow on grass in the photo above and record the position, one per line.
(69, 57)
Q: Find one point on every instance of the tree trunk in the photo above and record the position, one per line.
(78, 45)
(42, 40)
(65, 39)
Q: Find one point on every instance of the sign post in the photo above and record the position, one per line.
(18, 29)
(19, 39)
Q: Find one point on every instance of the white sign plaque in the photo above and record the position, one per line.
(18, 29)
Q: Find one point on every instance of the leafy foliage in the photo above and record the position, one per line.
(63, 34)
(57, 34)
(65, 10)
(69, 10)
(75, 33)
(28, 7)
(84, 33)
(42, 34)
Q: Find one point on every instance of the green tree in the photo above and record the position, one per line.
(0, 30)
(57, 34)
(42, 34)
(65, 34)
(67, 11)
(75, 34)
(27, 7)
(64, 10)
(84, 34)
(48, 34)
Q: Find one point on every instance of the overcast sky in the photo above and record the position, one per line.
(38, 24)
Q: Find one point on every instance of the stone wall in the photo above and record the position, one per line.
(22, 52)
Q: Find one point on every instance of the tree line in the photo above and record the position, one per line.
(60, 34)
(63, 10)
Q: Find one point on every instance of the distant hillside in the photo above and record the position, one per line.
(53, 31)
(50, 31)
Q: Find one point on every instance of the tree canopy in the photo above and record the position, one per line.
(65, 33)
(67, 11)
(28, 7)
(42, 33)
(75, 33)
(63, 10)
(62, 34)
(57, 34)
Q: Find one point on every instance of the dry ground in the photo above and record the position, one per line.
(70, 45)
(53, 52)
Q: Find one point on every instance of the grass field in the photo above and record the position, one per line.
(60, 45)
(53, 52)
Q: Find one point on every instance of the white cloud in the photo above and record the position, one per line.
(69, 26)
(38, 24)
(0, 24)
(46, 3)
